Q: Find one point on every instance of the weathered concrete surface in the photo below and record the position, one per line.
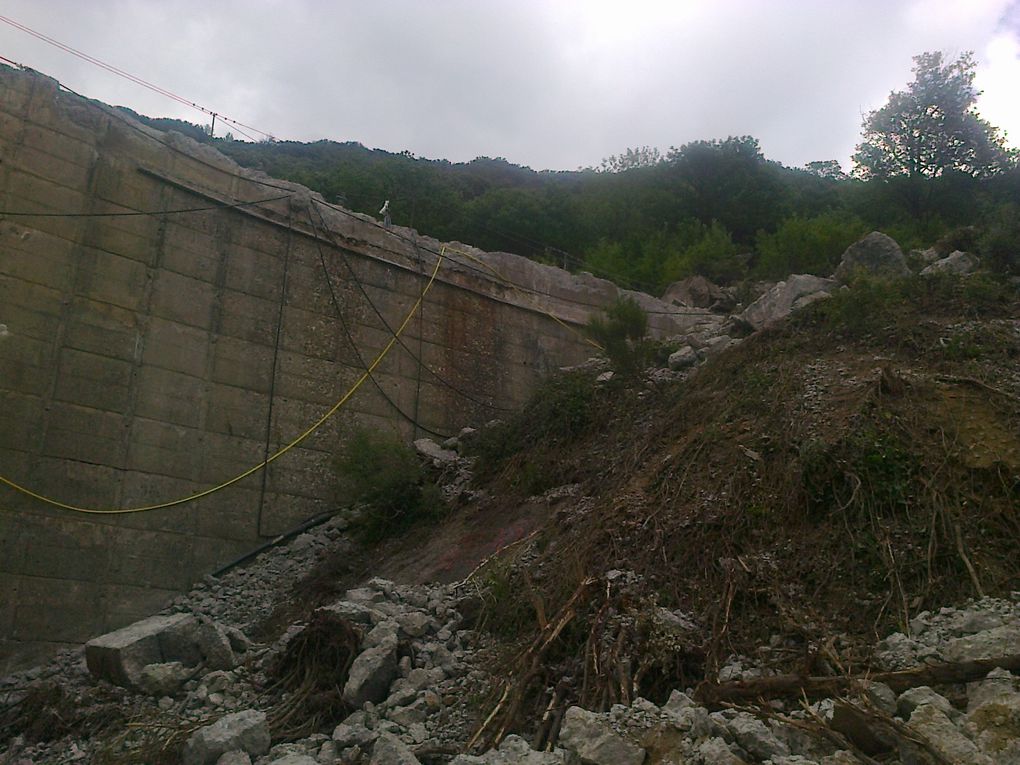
(148, 357)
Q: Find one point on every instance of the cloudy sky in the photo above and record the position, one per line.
(555, 84)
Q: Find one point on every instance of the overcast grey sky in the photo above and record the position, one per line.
(552, 84)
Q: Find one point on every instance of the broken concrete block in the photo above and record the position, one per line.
(120, 656)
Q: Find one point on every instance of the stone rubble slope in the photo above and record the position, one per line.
(417, 679)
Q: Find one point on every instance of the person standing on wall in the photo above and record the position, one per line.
(385, 212)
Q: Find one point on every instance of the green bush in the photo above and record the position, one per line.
(806, 245)
(712, 255)
(621, 333)
(915, 234)
(878, 308)
(1000, 242)
(561, 409)
(384, 474)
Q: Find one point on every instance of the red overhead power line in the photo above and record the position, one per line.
(137, 80)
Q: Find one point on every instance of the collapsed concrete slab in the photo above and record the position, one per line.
(120, 656)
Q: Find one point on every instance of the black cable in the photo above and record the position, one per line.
(354, 345)
(153, 213)
(354, 276)
(272, 378)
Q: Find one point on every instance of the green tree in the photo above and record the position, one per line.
(642, 156)
(931, 128)
(829, 169)
(727, 181)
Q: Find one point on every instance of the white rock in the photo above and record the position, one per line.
(876, 255)
(912, 698)
(989, 644)
(683, 358)
(956, 263)
(943, 736)
(246, 731)
(390, 750)
(295, 759)
(781, 300)
(430, 449)
(590, 736)
(755, 737)
(371, 674)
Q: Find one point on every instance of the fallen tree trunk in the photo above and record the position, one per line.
(714, 694)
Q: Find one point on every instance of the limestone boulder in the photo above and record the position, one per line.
(988, 644)
(294, 759)
(429, 449)
(912, 698)
(353, 732)
(514, 750)
(876, 255)
(595, 742)
(682, 359)
(717, 752)
(943, 736)
(390, 750)
(246, 731)
(698, 292)
(755, 737)
(957, 263)
(994, 724)
(372, 673)
(785, 297)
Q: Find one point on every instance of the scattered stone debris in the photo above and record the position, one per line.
(407, 695)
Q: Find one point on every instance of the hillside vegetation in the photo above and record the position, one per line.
(926, 166)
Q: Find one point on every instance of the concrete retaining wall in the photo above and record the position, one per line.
(149, 357)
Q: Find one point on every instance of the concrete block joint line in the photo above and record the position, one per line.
(261, 465)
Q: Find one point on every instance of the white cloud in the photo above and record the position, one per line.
(550, 84)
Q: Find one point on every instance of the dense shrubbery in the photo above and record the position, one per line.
(877, 307)
(806, 245)
(562, 408)
(384, 474)
(1000, 242)
(621, 332)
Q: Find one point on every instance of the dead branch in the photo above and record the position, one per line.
(716, 694)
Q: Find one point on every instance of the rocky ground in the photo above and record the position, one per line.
(418, 684)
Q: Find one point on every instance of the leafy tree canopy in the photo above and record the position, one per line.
(932, 128)
(642, 156)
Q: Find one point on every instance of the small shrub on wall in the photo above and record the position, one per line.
(382, 473)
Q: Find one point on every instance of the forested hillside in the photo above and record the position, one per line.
(927, 166)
